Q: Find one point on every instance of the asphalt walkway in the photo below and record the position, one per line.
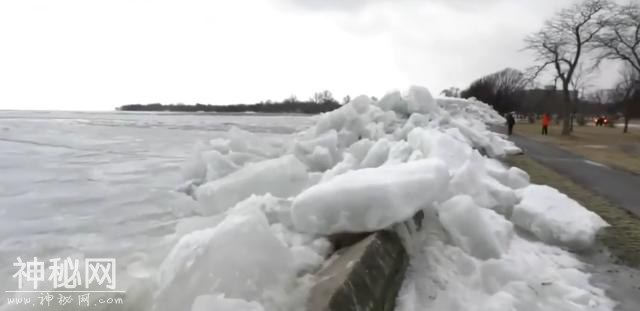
(619, 187)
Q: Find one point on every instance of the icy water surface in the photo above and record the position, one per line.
(101, 184)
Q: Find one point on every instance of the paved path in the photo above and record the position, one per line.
(619, 187)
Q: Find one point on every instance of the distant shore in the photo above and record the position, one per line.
(288, 106)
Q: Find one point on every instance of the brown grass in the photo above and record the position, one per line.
(606, 145)
(622, 238)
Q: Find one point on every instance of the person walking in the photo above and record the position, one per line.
(511, 121)
(546, 119)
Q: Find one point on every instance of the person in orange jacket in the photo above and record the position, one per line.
(545, 124)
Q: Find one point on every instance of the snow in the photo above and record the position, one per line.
(266, 209)
(555, 218)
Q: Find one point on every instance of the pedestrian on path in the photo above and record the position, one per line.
(546, 119)
(511, 121)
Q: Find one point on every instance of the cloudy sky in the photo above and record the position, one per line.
(96, 55)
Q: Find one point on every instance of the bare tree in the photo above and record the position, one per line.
(581, 79)
(620, 40)
(346, 100)
(322, 97)
(451, 92)
(600, 97)
(562, 42)
(627, 90)
(501, 89)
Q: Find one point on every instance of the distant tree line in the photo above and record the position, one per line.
(320, 102)
(503, 89)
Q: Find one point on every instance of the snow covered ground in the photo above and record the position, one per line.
(246, 228)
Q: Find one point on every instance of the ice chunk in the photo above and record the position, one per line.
(348, 163)
(387, 118)
(284, 176)
(414, 121)
(220, 303)
(434, 143)
(239, 258)
(415, 156)
(242, 158)
(217, 165)
(277, 211)
(305, 259)
(319, 153)
(419, 100)
(313, 178)
(378, 154)
(472, 179)
(555, 218)
(245, 141)
(512, 177)
(361, 104)
(194, 223)
(333, 120)
(374, 130)
(399, 152)
(393, 101)
(347, 138)
(360, 149)
(319, 160)
(194, 168)
(370, 199)
(220, 144)
(328, 140)
(517, 178)
(479, 231)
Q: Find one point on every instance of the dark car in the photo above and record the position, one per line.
(601, 121)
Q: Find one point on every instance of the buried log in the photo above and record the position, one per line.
(365, 276)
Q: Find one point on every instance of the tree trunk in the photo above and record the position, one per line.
(626, 124)
(626, 116)
(566, 111)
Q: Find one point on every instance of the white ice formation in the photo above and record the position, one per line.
(491, 240)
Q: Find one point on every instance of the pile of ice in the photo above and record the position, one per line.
(268, 206)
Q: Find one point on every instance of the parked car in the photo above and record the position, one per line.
(601, 121)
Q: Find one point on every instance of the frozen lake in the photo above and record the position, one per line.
(102, 184)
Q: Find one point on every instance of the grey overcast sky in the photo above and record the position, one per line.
(96, 55)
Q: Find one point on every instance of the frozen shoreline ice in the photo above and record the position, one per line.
(367, 166)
